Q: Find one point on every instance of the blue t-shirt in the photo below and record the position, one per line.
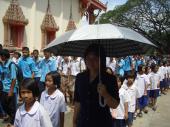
(46, 67)
(137, 63)
(27, 65)
(37, 64)
(9, 74)
(128, 62)
(121, 64)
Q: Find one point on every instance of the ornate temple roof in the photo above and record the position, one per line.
(71, 24)
(14, 14)
(49, 21)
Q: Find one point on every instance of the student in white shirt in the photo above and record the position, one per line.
(53, 99)
(31, 113)
(75, 69)
(168, 75)
(155, 85)
(133, 92)
(147, 73)
(162, 74)
(141, 86)
(121, 112)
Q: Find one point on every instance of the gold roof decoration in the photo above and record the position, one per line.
(71, 24)
(14, 14)
(49, 21)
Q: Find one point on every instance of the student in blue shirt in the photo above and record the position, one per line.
(9, 81)
(37, 61)
(27, 65)
(47, 65)
(120, 69)
(138, 62)
(128, 65)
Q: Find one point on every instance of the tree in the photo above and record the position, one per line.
(149, 17)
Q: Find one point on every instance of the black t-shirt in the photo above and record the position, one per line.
(91, 113)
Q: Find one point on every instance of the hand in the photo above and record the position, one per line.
(102, 90)
(126, 116)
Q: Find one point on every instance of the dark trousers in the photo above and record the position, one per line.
(9, 105)
(119, 123)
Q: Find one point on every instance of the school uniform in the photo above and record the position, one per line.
(37, 74)
(162, 76)
(36, 117)
(64, 68)
(121, 64)
(155, 80)
(54, 105)
(127, 65)
(141, 86)
(168, 75)
(1, 88)
(119, 120)
(27, 65)
(46, 66)
(112, 65)
(9, 103)
(133, 94)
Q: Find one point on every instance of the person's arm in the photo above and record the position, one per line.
(33, 68)
(110, 101)
(13, 77)
(126, 110)
(110, 93)
(76, 113)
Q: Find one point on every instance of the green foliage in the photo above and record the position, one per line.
(149, 17)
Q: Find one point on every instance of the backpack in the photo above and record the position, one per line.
(19, 74)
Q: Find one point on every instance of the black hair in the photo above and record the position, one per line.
(17, 53)
(5, 53)
(153, 66)
(46, 51)
(108, 68)
(97, 50)
(25, 49)
(56, 78)
(130, 75)
(36, 50)
(31, 85)
(140, 67)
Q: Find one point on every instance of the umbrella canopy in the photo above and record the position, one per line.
(117, 41)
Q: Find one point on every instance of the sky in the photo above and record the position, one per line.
(110, 6)
(112, 3)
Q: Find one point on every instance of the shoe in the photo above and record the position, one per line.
(154, 108)
(140, 114)
(145, 111)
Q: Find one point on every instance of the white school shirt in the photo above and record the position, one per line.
(36, 117)
(163, 70)
(169, 70)
(141, 82)
(65, 67)
(112, 65)
(124, 97)
(54, 104)
(160, 72)
(155, 80)
(149, 85)
(75, 67)
(133, 94)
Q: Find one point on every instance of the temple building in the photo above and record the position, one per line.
(35, 23)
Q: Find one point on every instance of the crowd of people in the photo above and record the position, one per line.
(35, 90)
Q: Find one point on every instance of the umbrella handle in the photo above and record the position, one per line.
(102, 104)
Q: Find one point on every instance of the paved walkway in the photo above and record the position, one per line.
(160, 118)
